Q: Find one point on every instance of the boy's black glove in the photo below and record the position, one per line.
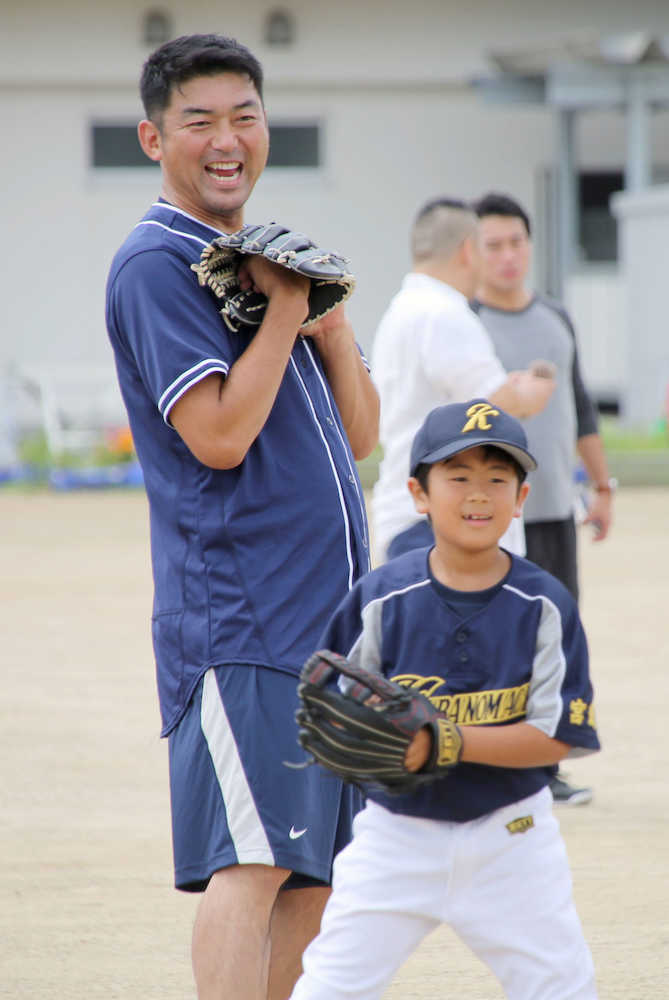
(362, 733)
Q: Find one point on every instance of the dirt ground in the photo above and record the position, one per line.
(87, 907)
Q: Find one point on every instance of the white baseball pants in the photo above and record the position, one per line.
(501, 882)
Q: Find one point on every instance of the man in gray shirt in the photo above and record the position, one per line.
(524, 325)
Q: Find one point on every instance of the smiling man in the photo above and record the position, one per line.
(248, 441)
(212, 141)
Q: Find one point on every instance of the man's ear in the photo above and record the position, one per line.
(150, 139)
(523, 493)
(420, 498)
(469, 250)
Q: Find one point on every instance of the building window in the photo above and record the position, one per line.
(597, 229)
(117, 146)
(156, 27)
(294, 146)
(279, 27)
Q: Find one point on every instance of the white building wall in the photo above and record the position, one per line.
(389, 82)
(644, 225)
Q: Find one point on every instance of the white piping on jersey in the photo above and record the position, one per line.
(546, 701)
(366, 650)
(215, 365)
(194, 218)
(177, 232)
(336, 424)
(340, 493)
(246, 829)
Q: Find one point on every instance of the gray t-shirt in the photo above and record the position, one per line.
(543, 330)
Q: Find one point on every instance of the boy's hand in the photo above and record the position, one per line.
(418, 751)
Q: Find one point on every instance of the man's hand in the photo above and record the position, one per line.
(600, 515)
(335, 323)
(258, 274)
(530, 393)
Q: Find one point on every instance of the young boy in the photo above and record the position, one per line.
(496, 643)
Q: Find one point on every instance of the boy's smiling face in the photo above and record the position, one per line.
(471, 498)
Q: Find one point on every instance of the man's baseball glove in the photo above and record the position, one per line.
(362, 733)
(331, 281)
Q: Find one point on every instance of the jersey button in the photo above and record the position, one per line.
(461, 636)
(463, 657)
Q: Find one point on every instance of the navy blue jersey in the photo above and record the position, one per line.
(249, 562)
(522, 656)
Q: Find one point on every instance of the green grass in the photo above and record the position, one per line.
(34, 452)
(618, 438)
(623, 445)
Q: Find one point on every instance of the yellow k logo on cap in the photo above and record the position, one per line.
(478, 414)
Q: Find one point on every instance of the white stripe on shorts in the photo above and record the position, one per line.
(246, 829)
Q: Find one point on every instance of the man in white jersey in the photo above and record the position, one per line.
(431, 349)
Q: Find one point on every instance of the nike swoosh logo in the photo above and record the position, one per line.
(294, 834)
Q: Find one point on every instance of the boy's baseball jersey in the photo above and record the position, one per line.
(248, 562)
(519, 654)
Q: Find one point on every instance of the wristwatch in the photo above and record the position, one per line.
(608, 487)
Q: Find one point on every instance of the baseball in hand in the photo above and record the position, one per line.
(543, 369)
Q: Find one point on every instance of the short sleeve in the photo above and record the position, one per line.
(577, 725)
(561, 694)
(168, 324)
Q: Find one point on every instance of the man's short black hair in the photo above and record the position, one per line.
(501, 204)
(491, 451)
(184, 58)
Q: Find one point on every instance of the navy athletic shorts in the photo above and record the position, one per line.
(234, 801)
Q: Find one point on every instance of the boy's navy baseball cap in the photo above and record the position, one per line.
(458, 426)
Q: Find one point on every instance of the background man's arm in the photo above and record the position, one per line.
(523, 394)
(600, 511)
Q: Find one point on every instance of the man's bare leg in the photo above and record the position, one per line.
(295, 921)
(231, 935)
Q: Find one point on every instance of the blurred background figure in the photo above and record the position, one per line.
(431, 349)
(524, 325)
